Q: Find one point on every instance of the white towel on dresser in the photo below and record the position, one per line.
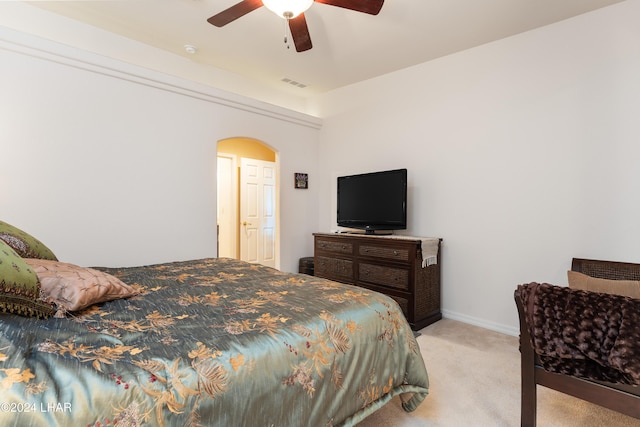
(429, 251)
(429, 247)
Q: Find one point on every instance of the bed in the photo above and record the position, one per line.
(210, 342)
(582, 340)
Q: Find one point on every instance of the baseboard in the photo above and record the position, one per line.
(483, 323)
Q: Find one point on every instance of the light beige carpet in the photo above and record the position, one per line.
(474, 379)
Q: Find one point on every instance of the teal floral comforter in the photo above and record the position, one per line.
(212, 342)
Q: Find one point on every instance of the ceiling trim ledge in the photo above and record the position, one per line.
(33, 46)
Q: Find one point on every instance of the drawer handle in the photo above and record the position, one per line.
(395, 253)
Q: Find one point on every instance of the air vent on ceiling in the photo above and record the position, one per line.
(294, 83)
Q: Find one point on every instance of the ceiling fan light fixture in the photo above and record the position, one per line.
(287, 9)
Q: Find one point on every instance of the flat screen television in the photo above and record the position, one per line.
(373, 201)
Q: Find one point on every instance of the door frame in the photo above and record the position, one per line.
(232, 179)
(236, 179)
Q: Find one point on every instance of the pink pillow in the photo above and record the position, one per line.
(73, 288)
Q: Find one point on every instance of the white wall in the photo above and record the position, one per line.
(111, 164)
(522, 154)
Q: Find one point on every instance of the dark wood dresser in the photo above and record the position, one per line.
(392, 266)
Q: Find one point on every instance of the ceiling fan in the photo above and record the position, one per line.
(293, 12)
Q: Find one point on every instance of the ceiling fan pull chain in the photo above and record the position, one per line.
(286, 38)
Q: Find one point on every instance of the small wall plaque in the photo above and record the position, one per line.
(302, 180)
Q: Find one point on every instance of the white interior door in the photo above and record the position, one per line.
(258, 211)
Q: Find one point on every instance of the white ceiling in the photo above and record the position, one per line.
(347, 46)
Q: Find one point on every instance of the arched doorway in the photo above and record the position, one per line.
(248, 218)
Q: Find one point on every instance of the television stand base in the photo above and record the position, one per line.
(367, 232)
(378, 232)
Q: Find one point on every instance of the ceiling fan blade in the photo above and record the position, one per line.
(234, 12)
(371, 7)
(300, 33)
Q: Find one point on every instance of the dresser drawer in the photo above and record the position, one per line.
(396, 254)
(387, 276)
(403, 303)
(337, 247)
(334, 268)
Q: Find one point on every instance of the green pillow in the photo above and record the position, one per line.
(19, 286)
(24, 244)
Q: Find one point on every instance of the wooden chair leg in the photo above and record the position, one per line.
(529, 395)
(528, 400)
